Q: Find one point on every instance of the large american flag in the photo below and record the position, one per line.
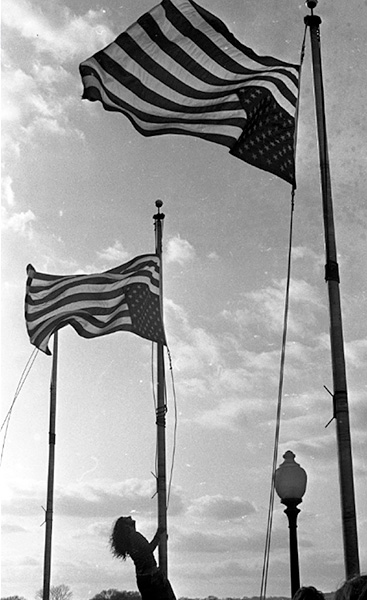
(179, 70)
(125, 298)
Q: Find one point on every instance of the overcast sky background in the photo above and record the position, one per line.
(79, 187)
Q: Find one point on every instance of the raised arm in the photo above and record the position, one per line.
(157, 538)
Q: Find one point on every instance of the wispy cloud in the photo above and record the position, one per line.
(12, 528)
(180, 251)
(89, 500)
(193, 345)
(208, 543)
(221, 508)
(35, 102)
(231, 374)
(7, 190)
(55, 30)
(115, 253)
(356, 353)
(266, 306)
(39, 93)
(18, 222)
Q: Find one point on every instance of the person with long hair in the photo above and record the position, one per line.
(308, 593)
(353, 589)
(126, 541)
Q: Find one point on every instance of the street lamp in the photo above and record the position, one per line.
(290, 485)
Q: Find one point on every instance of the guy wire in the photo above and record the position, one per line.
(22, 381)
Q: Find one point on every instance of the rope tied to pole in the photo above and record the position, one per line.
(161, 412)
(265, 570)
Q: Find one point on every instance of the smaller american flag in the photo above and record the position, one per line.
(126, 298)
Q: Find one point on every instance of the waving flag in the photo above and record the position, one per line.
(125, 298)
(179, 70)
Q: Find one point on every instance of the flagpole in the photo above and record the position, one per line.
(340, 395)
(161, 411)
(51, 470)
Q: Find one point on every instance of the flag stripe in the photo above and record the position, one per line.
(230, 57)
(223, 30)
(146, 124)
(106, 287)
(170, 58)
(154, 82)
(77, 302)
(125, 298)
(87, 328)
(179, 70)
(211, 114)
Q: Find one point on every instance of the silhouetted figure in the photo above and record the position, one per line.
(308, 593)
(353, 589)
(126, 541)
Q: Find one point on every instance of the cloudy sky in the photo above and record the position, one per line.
(79, 187)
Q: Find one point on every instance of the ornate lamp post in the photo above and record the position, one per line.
(290, 485)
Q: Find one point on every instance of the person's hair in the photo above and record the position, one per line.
(308, 593)
(353, 589)
(120, 538)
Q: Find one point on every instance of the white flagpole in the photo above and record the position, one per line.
(161, 412)
(51, 470)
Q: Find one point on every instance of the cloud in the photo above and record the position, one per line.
(115, 253)
(179, 250)
(266, 307)
(208, 543)
(89, 500)
(356, 353)
(18, 222)
(55, 30)
(309, 255)
(101, 499)
(232, 414)
(36, 103)
(11, 528)
(39, 94)
(194, 347)
(225, 369)
(7, 190)
(221, 508)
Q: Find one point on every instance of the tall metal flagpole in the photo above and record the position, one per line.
(340, 396)
(51, 470)
(161, 412)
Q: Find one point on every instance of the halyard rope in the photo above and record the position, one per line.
(264, 578)
(22, 381)
(161, 415)
(279, 407)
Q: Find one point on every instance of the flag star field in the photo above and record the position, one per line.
(89, 144)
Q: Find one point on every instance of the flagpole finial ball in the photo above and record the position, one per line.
(159, 203)
(311, 4)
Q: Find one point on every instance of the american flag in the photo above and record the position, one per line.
(179, 70)
(125, 298)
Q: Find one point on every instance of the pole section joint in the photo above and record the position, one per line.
(332, 271)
